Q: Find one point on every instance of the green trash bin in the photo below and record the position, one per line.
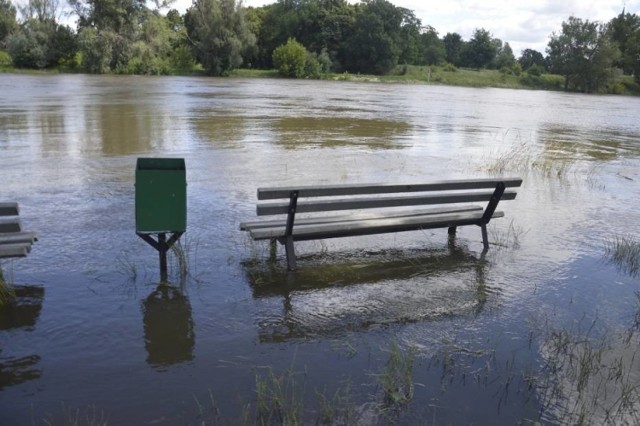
(161, 195)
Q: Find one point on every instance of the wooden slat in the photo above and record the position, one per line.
(369, 189)
(375, 226)
(379, 202)
(10, 225)
(18, 237)
(246, 226)
(9, 209)
(14, 250)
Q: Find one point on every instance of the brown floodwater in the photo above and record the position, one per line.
(93, 333)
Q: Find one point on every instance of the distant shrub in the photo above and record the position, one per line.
(449, 67)
(536, 70)
(5, 59)
(290, 59)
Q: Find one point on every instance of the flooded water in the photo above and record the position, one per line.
(490, 338)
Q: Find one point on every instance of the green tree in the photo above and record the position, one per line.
(584, 54)
(409, 39)
(453, 47)
(290, 59)
(529, 58)
(220, 35)
(433, 49)
(40, 41)
(481, 50)
(504, 58)
(107, 30)
(625, 32)
(8, 23)
(375, 46)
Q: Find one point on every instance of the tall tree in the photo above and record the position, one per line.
(219, 33)
(375, 45)
(8, 23)
(584, 54)
(432, 48)
(453, 46)
(625, 32)
(480, 50)
(529, 58)
(40, 41)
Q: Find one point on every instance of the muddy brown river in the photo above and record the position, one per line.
(402, 328)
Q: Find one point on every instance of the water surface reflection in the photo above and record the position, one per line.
(357, 292)
(20, 316)
(169, 337)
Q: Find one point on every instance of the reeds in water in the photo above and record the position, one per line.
(624, 252)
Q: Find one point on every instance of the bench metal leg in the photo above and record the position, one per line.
(291, 254)
(485, 238)
(452, 230)
(273, 249)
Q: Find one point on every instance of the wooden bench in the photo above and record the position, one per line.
(13, 242)
(394, 204)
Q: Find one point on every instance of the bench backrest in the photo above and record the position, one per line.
(352, 197)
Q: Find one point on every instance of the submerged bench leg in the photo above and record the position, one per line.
(273, 249)
(485, 239)
(452, 230)
(291, 254)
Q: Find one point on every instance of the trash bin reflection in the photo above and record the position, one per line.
(169, 336)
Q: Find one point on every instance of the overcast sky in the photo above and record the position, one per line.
(522, 23)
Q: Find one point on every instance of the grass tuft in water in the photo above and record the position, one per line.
(624, 252)
(279, 398)
(396, 379)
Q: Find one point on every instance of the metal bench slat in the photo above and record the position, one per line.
(370, 189)
(379, 202)
(246, 226)
(9, 209)
(374, 226)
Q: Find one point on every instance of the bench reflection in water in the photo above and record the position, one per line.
(20, 316)
(356, 293)
(169, 337)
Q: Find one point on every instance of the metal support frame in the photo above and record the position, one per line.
(288, 235)
(162, 246)
(489, 211)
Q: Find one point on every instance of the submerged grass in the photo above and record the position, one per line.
(624, 252)
(396, 379)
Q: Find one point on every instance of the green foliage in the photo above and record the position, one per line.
(5, 59)
(41, 44)
(290, 59)
(624, 31)
(584, 54)
(529, 58)
(453, 47)
(8, 23)
(480, 50)
(536, 70)
(220, 35)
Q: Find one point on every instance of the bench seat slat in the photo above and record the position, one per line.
(373, 226)
(18, 237)
(14, 250)
(10, 225)
(379, 202)
(369, 189)
(247, 226)
(9, 209)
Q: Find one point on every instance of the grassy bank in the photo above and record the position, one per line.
(437, 75)
(451, 76)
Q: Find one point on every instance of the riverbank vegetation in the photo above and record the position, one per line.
(308, 39)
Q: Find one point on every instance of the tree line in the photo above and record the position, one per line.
(299, 38)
